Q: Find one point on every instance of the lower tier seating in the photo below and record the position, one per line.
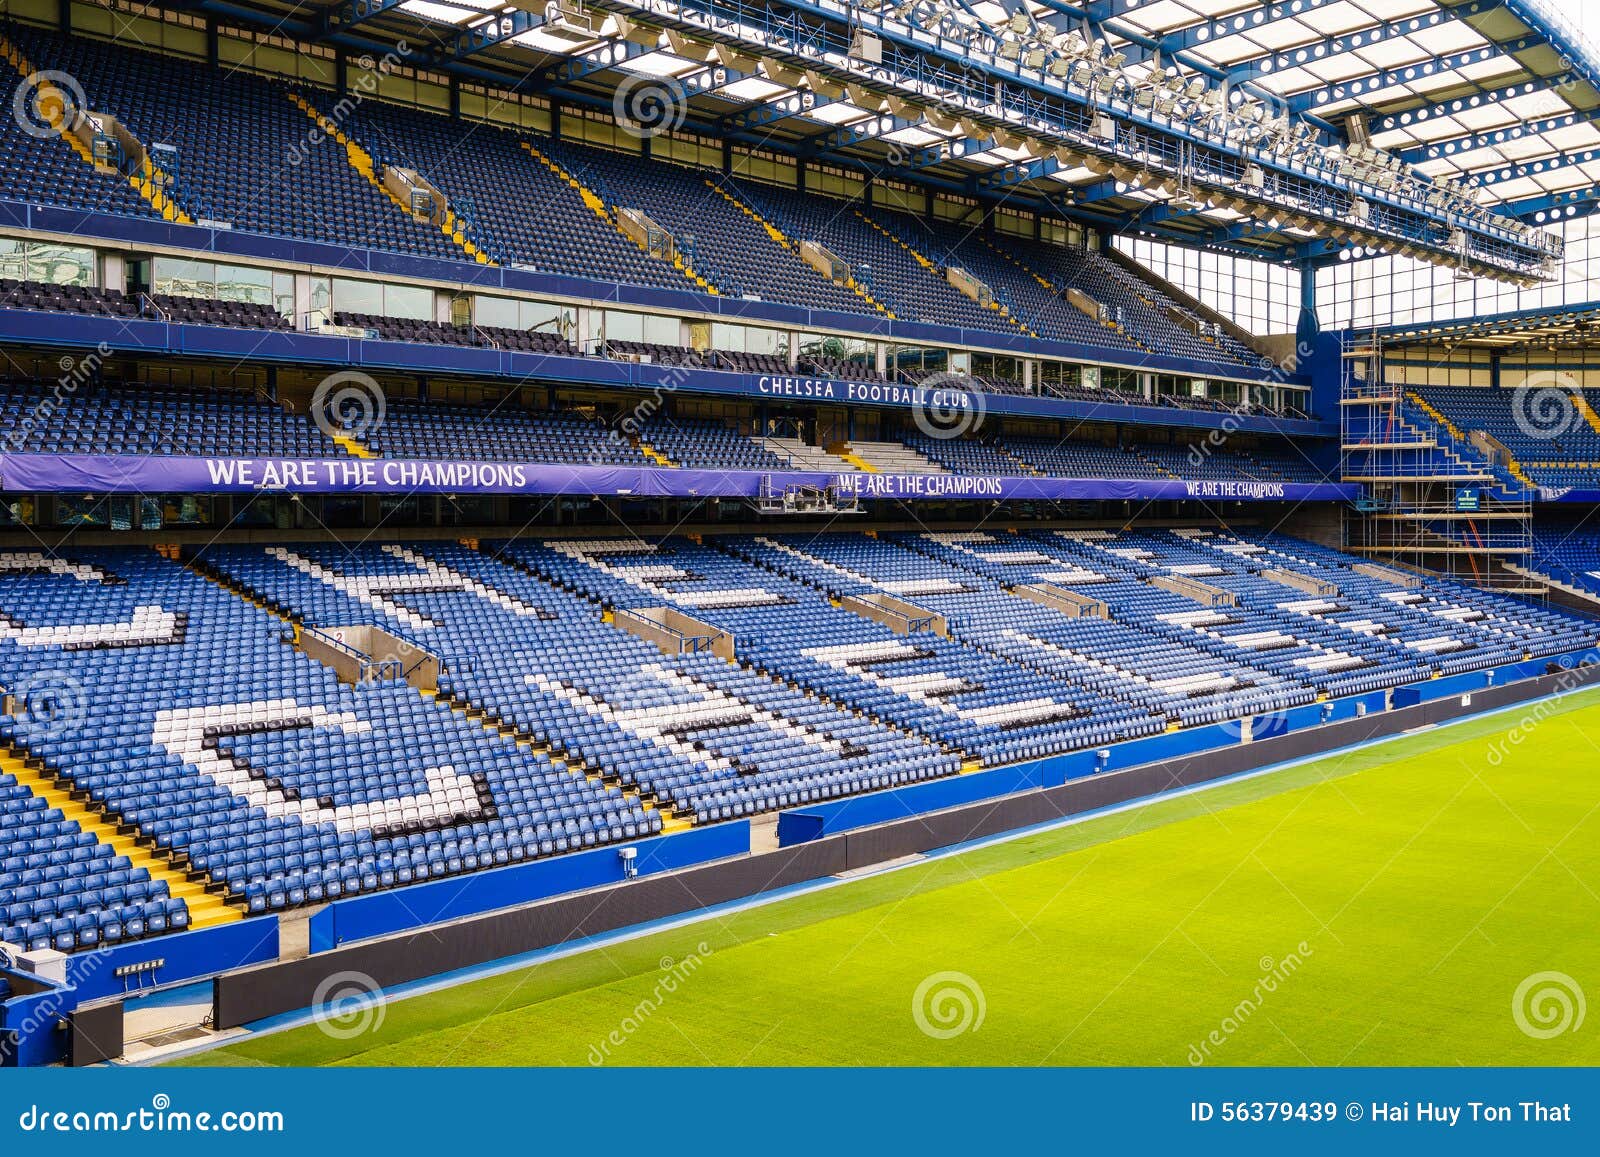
(173, 701)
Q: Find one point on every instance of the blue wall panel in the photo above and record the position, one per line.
(363, 917)
(186, 956)
(31, 1021)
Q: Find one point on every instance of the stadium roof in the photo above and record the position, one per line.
(1495, 93)
(1530, 329)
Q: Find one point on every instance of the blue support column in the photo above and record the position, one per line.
(1318, 353)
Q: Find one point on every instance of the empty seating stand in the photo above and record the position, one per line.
(247, 154)
(135, 419)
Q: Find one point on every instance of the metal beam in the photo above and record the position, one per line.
(345, 16)
(870, 128)
(791, 104)
(1437, 150)
(1208, 31)
(1554, 207)
(598, 59)
(1492, 177)
(486, 33)
(1331, 46)
(1421, 70)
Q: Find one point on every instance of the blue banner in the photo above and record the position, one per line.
(96, 474)
(1234, 1111)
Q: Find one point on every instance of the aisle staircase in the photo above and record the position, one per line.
(596, 204)
(782, 239)
(206, 905)
(147, 180)
(933, 268)
(361, 160)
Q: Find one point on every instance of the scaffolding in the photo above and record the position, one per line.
(1430, 502)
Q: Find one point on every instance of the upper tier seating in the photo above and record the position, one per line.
(1143, 311)
(908, 289)
(1545, 430)
(248, 155)
(44, 170)
(251, 157)
(523, 211)
(1041, 309)
(729, 247)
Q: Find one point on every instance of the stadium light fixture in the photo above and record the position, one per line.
(633, 32)
(781, 74)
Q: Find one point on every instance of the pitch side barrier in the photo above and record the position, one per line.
(1022, 797)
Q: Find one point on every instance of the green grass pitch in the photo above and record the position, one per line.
(1381, 907)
